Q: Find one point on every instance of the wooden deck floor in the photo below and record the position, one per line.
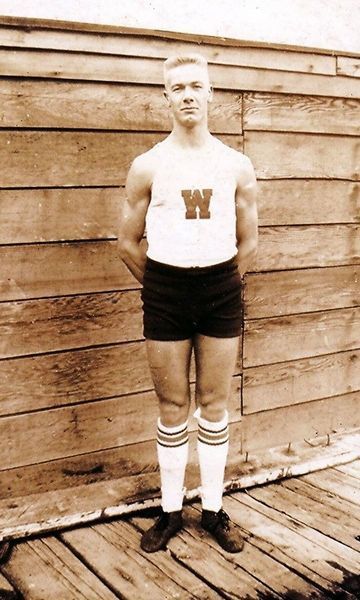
(302, 541)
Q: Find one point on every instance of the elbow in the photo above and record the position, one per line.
(123, 246)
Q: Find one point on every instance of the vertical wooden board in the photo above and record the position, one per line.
(48, 215)
(312, 114)
(306, 421)
(299, 246)
(91, 105)
(290, 383)
(48, 270)
(303, 155)
(348, 66)
(303, 290)
(39, 326)
(306, 201)
(280, 339)
(45, 568)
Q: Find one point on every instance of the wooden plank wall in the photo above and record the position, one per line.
(77, 105)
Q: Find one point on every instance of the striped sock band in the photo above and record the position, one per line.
(171, 437)
(172, 450)
(212, 445)
(213, 437)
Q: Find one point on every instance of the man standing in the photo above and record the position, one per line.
(196, 198)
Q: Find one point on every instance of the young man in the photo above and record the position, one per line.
(196, 198)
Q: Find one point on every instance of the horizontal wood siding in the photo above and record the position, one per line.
(77, 403)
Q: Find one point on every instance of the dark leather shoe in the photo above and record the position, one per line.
(222, 529)
(166, 526)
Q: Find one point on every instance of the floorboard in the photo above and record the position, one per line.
(302, 541)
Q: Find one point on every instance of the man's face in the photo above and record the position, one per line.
(188, 91)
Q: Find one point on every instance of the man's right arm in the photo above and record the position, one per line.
(132, 246)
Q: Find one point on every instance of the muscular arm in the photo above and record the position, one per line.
(132, 217)
(246, 215)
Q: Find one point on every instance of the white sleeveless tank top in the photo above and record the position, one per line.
(191, 219)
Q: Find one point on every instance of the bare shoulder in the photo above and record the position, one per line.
(141, 174)
(142, 167)
(244, 170)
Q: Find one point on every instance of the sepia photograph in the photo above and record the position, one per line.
(179, 300)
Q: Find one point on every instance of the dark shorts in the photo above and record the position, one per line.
(180, 302)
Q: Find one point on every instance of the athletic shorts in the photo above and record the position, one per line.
(181, 302)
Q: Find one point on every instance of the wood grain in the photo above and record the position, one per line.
(300, 155)
(290, 542)
(141, 576)
(307, 246)
(348, 66)
(35, 566)
(330, 522)
(82, 158)
(48, 215)
(89, 105)
(96, 67)
(23, 275)
(86, 427)
(65, 378)
(76, 376)
(48, 270)
(127, 45)
(308, 420)
(304, 290)
(308, 201)
(40, 326)
(278, 339)
(311, 114)
(304, 380)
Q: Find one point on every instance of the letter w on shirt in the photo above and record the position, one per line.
(197, 202)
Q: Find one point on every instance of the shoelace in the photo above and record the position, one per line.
(162, 522)
(224, 519)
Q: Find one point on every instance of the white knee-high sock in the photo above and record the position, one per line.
(172, 450)
(213, 446)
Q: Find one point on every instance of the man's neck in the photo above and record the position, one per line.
(190, 137)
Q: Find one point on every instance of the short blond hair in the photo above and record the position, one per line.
(184, 59)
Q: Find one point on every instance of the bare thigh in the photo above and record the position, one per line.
(215, 365)
(169, 364)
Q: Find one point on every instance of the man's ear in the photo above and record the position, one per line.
(211, 94)
(166, 97)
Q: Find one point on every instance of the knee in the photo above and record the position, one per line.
(212, 408)
(174, 412)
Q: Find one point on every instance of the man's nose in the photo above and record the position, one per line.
(188, 93)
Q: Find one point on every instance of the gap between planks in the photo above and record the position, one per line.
(270, 465)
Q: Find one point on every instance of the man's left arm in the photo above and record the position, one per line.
(246, 215)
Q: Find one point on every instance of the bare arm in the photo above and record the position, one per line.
(132, 217)
(246, 215)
